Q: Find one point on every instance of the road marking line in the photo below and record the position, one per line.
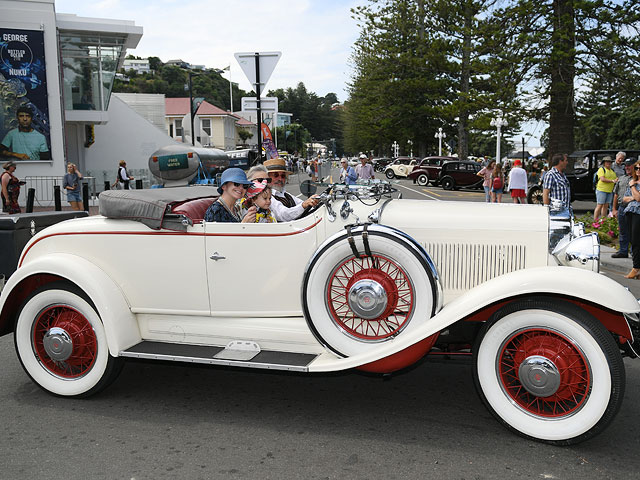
(416, 191)
(432, 193)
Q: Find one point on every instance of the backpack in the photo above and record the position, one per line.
(595, 177)
(497, 183)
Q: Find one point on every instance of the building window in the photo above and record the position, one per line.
(229, 128)
(89, 63)
(179, 131)
(205, 125)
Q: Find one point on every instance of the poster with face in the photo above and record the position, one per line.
(24, 110)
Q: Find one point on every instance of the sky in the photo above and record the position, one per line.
(314, 36)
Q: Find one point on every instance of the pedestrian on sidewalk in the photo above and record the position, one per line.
(497, 184)
(365, 169)
(619, 209)
(518, 183)
(347, 173)
(486, 173)
(632, 199)
(619, 164)
(10, 188)
(72, 186)
(122, 176)
(607, 178)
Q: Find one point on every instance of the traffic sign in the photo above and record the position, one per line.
(267, 104)
(267, 64)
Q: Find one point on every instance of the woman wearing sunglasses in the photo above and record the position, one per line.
(233, 187)
(632, 200)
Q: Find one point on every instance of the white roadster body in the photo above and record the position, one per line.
(365, 281)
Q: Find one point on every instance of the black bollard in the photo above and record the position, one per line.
(31, 197)
(107, 185)
(139, 185)
(56, 198)
(85, 197)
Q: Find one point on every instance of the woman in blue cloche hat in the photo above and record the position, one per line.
(233, 186)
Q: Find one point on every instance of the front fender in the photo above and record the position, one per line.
(120, 324)
(567, 282)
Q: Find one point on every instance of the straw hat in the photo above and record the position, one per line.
(276, 165)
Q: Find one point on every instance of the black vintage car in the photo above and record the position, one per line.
(429, 170)
(583, 165)
(460, 173)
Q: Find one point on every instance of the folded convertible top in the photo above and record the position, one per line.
(150, 206)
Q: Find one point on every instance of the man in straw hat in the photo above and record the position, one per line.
(284, 206)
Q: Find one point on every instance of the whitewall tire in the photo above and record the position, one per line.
(351, 304)
(61, 343)
(549, 371)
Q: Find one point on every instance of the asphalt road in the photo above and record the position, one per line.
(163, 420)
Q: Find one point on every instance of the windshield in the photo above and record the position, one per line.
(578, 165)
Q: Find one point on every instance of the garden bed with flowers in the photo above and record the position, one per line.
(606, 228)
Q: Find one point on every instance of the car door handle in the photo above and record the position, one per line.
(216, 256)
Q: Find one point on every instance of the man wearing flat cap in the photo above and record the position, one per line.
(285, 207)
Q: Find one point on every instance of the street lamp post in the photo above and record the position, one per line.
(193, 136)
(440, 135)
(230, 91)
(498, 122)
(410, 142)
(396, 148)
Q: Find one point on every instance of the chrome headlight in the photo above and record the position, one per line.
(581, 252)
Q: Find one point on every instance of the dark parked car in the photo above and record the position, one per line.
(459, 173)
(583, 165)
(429, 170)
(379, 164)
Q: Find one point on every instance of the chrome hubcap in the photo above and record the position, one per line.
(539, 376)
(367, 299)
(57, 344)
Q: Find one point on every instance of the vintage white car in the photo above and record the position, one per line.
(401, 167)
(363, 281)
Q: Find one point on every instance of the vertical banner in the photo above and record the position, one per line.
(24, 110)
(267, 142)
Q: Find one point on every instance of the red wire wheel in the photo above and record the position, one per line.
(544, 373)
(356, 283)
(64, 342)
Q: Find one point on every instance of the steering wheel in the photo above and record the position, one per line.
(309, 210)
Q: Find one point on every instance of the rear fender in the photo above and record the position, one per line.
(120, 324)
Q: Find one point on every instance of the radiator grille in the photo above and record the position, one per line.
(463, 266)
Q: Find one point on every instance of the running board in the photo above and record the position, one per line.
(180, 352)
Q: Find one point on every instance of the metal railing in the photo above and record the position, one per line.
(44, 187)
(103, 176)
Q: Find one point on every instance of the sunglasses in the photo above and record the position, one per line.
(637, 167)
(241, 185)
(279, 175)
(260, 180)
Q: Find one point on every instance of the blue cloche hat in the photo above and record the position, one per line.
(235, 175)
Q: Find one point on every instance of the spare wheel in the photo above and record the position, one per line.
(352, 302)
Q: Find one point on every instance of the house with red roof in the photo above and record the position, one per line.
(213, 126)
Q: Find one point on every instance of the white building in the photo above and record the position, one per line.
(139, 65)
(77, 61)
(214, 127)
